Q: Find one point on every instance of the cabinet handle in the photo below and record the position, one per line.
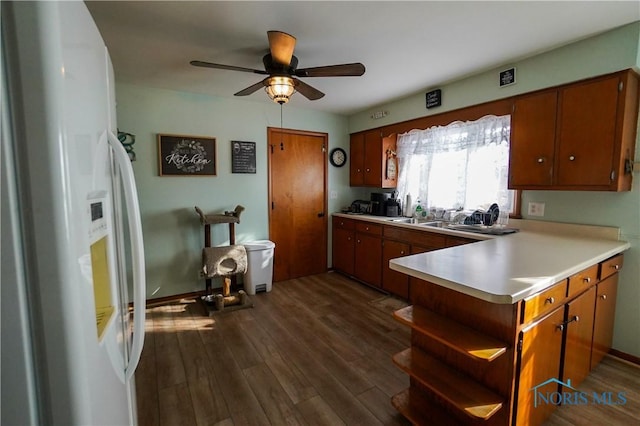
(359, 170)
(603, 297)
(616, 267)
(587, 280)
(549, 300)
(341, 223)
(575, 318)
(572, 157)
(358, 241)
(560, 327)
(368, 170)
(367, 228)
(401, 251)
(348, 238)
(541, 160)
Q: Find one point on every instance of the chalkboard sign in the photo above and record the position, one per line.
(243, 157)
(186, 155)
(434, 98)
(508, 77)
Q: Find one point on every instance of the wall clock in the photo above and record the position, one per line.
(338, 157)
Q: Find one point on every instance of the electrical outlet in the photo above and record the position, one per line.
(536, 209)
(333, 195)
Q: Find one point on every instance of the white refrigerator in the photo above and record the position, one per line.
(72, 250)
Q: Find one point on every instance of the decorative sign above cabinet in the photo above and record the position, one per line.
(508, 77)
(434, 98)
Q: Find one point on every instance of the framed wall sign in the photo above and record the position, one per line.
(507, 77)
(434, 98)
(180, 155)
(243, 157)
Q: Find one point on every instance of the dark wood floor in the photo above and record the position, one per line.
(313, 351)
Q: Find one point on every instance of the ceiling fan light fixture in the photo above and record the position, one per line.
(280, 89)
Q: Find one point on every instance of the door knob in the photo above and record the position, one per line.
(321, 214)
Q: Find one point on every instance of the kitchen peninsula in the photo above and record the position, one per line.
(501, 327)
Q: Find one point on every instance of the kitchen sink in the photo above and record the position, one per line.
(435, 224)
(400, 220)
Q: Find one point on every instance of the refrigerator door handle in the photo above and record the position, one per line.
(137, 251)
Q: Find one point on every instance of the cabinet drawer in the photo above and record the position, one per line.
(582, 280)
(342, 223)
(544, 302)
(611, 266)
(369, 228)
(426, 239)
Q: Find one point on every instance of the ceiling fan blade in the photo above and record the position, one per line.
(342, 70)
(225, 67)
(253, 88)
(307, 91)
(281, 46)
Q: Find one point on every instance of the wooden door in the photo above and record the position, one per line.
(541, 345)
(356, 160)
(604, 319)
(343, 250)
(392, 281)
(368, 259)
(533, 135)
(577, 357)
(587, 123)
(373, 158)
(297, 202)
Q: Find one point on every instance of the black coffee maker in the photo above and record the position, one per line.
(379, 203)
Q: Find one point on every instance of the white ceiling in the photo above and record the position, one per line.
(407, 47)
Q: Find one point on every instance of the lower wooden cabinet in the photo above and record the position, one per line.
(539, 370)
(363, 249)
(392, 281)
(343, 250)
(368, 259)
(606, 292)
(549, 340)
(579, 336)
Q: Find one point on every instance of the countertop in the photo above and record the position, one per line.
(508, 268)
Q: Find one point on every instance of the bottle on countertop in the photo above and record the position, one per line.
(419, 212)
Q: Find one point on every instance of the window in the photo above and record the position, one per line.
(463, 165)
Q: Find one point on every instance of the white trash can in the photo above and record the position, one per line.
(259, 275)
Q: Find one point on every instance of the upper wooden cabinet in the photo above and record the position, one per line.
(576, 137)
(373, 162)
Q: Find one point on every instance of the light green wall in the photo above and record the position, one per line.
(172, 232)
(173, 236)
(609, 52)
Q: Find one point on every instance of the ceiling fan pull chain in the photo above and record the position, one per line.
(281, 142)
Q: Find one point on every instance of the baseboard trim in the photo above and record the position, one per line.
(625, 356)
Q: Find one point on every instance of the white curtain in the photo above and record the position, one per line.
(461, 165)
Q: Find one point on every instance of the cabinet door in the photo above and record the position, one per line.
(533, 134)
(604, 318)
(389, 162)
(392, 281)
(539, 363)
(368, 259)
(343, 250)
(577, 358)
(356, 160)
(373, 158)
(587, 125)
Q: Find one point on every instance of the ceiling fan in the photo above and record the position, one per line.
(281, 67)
